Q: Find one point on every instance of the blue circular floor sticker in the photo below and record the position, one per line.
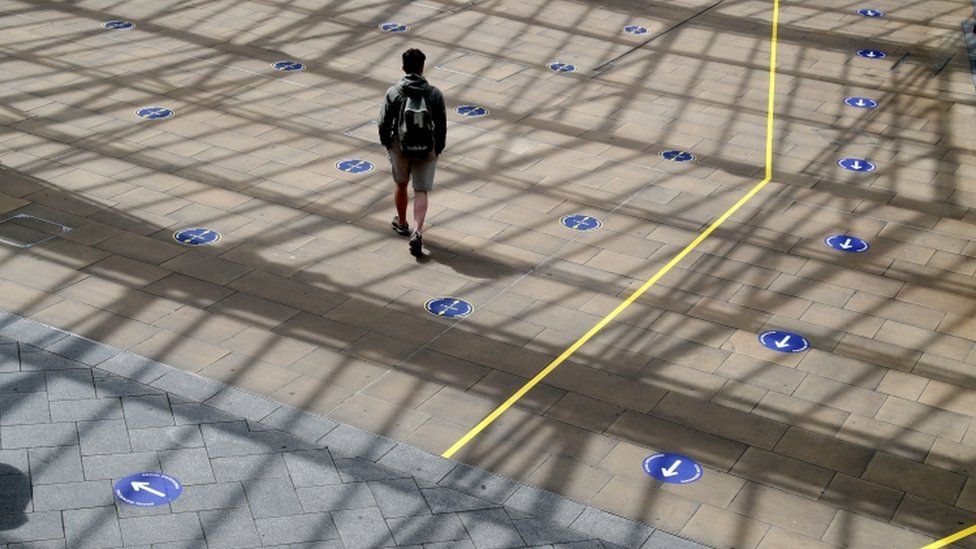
(559, 66)
(861, 102)
(119, 25)
(677, 156)
(154, 113)
(393, 27)
(448, 307)
(354, 165)
(197, 236)
(672, 468)
(870, 13)
(784, 342)
(872, 54)
(635, 29)
(288, 66)
(580, 222)
(471, 111)
(148, 489)
(847, 243)
(856, 165)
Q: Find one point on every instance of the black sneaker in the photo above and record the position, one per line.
(401, 229)
(416, 245)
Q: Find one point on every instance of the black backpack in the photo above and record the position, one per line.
(415, 126)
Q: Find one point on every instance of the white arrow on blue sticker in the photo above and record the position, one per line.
(449, 307)
(672, 468)
(559, 66)
(148, 489)
(784, 342)
(580, 222)
(847, 243)
(677, 156)
(635, 29)
(861, 102)
(872, 54)
(856, 164)
(870, 13)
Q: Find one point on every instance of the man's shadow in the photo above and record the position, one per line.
(15, 495)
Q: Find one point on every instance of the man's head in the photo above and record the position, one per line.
(413, 61)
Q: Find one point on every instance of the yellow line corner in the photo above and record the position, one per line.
(490, 418)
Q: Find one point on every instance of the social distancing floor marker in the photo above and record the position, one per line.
(490, 418)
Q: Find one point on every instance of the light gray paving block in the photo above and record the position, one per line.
(103, 437)
(91, 409)
(417, 462)
(188, 544)
(36, 436)
(165, 438)
(359, 470)
(14, 461)
(335, 497)
(116, 466)
(209, 497)
(32, 358)
(70, 384)
(304, 425)
(458, 544)
(55, 465)
(115, 386)
(363, 528)
(541, 503)
(32, 527)
(9, 358)
(147, 411)
(480, 483)
(272, 497)
(398, 497)
(134, 367)
(242, 403)
(537, 531)
(585, 544)
(296, 529)
(74, 495)
(22, 382)
(612, 528)
(312, 468)
(428, 529)
(230, 529)
(347, 441)
(193, 413)
(24, 409)
(190, 466)
(249, 467)
(15, 491)
(448, 500)
(47, 544)
(92, 528)
(161, 528)
(491, 529)
(82, 350)
(30, 332)
(235, 439)
(663, 540)
(187, 385)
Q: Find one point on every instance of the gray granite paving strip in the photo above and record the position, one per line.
(247, 484)
(491, 529)
(92, 528)
(82, 350)
(187, 385)
(70, 385)
(32, 358)
(363, 529)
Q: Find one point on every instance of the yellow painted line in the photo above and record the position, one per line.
(952, 539)
(490, 418)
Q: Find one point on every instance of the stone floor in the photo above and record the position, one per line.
(255, 473)
(865, 440)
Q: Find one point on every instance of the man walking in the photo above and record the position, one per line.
(413, 128)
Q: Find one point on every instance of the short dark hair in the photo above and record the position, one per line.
(413, 61)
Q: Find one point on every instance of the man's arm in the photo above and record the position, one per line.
(387, 112)
(440, 123)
